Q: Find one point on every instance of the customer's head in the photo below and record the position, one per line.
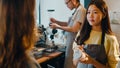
(97, 15)
(18, 32)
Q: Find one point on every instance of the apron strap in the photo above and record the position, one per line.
(103, 38)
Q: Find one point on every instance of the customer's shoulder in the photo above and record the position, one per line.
(31, 63)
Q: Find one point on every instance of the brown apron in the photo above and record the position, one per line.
(97, 51)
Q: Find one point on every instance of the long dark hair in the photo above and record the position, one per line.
(78, 0)
(18, 32)
(105, 23)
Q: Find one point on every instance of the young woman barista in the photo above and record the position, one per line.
(96, 30)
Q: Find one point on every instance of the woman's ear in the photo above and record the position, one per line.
(104, 15)
(73, 1)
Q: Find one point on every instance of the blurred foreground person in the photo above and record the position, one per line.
(17, 35)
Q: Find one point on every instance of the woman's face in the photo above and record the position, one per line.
(94, 16)
(69, 4)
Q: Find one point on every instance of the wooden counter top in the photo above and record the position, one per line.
(49, 56)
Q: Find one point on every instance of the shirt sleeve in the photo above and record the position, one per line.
(77, 52)
(79, 15)
(112, 51)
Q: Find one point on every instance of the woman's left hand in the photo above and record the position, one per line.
(87, 59)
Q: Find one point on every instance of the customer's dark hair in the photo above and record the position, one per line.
(105, 23)
(18, 25)
(78, 0)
